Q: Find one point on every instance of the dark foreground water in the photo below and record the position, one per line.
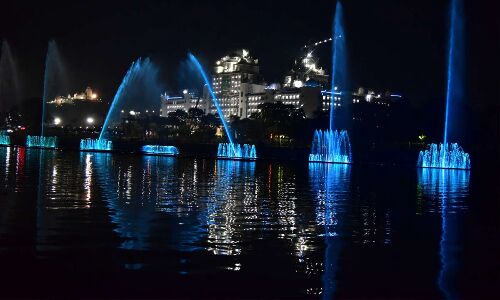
(106, 225)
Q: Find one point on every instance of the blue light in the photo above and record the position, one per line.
(46, 82)
(156, 149)
(132, 71)
(445, 156)
(236, 151)
(330, 183)
(41, 141)
(454, 90)
(339, 53)
(96, 144)
(331, 146)
(4, 139)
(198, 66)
(450, 155)
(451, 189)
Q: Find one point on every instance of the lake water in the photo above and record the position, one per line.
(115, 225)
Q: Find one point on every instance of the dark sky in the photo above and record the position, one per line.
(393, 45)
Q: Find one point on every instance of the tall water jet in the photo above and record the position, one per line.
(9, 80)
(450, 155)
(339, 60)
(54, 80)
(138, 90)
(331, 145)
(231, 150)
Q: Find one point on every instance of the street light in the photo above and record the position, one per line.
(90, 120)
(57, 121)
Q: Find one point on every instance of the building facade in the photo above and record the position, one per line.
(189, 99)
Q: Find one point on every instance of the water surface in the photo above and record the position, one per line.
(111, 225)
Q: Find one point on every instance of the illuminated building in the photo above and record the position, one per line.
(188, 100)
(236, 77)
(80, 110)
(88, 95)
(306, 69)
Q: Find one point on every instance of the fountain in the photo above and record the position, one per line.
(4, 139)
(41, 142)
(54, 72)
(9, 80)
(96, 145)
(160, 150)
(331, 145)
(139, 83)
(445, 156)
(236, 151)
(449, 155)
(225, 150)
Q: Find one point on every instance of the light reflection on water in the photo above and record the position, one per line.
(320, 226)
(448, 189)
(331, 183)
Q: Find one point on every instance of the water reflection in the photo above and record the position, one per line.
(331, 184)
(448, 189)
(233, 196)
(131, 200)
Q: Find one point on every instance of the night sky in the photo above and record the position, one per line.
(393, 45)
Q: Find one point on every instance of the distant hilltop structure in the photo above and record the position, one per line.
(88, 95)
(80, 110)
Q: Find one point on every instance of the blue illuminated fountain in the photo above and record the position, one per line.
(331, 145)
(4, 139)
(450, 155)
(160, 150)
(41, 142)
(96, 145)
(445, 156)
(101, 143)
(139, 81)
(53, 75)
(225, 150)
(238, 151)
